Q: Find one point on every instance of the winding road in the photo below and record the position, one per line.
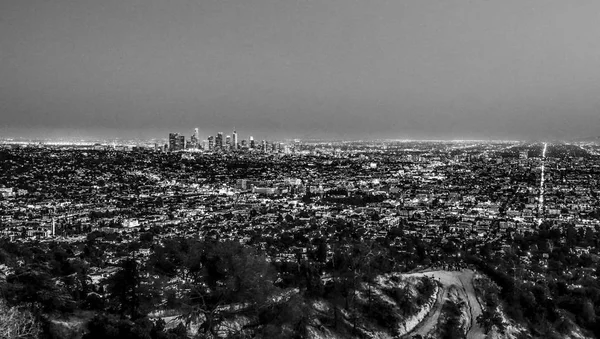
(463, 282)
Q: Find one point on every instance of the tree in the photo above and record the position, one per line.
(489, 319)
(452, 328)
(232, 279)
(321, 252)
(103, 326)
(17, 323)
(32, 284)
(131, 294)
(123, 286)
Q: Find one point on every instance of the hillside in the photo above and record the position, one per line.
(427, 304)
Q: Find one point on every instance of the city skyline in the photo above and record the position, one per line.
(299, 169)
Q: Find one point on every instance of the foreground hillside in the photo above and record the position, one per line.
(391, 306)
(213, 289)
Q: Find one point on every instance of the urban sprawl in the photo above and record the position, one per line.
(528, 212)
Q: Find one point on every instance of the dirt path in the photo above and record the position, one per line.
(474, 331)
(428, 324)
(463, 281)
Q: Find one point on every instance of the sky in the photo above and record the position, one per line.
(349, 69)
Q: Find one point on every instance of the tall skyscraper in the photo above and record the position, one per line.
(235, 140)
(176, 142)
(219, 141)
(228, 142)
(194, 140)
(211, 143)
(252, 144)
(173, 141)
(180, 142)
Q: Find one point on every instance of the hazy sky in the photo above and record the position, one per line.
(302, 68)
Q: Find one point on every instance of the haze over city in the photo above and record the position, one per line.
(302, 169)
(300, 69)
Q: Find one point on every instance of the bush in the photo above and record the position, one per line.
(384, 314)
(17, 323)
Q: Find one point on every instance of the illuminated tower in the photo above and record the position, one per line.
(235, 140)
(194, 140)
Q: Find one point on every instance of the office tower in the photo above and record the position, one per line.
(173, 141)
(211, 143)
(252, 144)
(228, 142)
(264, 146)
(219, 141)
(244, 144)
(194, 139)
(235, 140)
(180, 142)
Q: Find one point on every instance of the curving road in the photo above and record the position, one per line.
(463, 282)
(431, 320)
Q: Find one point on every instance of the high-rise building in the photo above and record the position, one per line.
(252, 144)
(173, 141)
(211, 143)
(176, 142)
(219, 141)
(194, 140)
(235, 140)
(180, 142)
(228, 142)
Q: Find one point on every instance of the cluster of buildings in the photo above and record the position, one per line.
(219, 142)
(442, 193)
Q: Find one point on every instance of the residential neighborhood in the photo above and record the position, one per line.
(420, 204)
